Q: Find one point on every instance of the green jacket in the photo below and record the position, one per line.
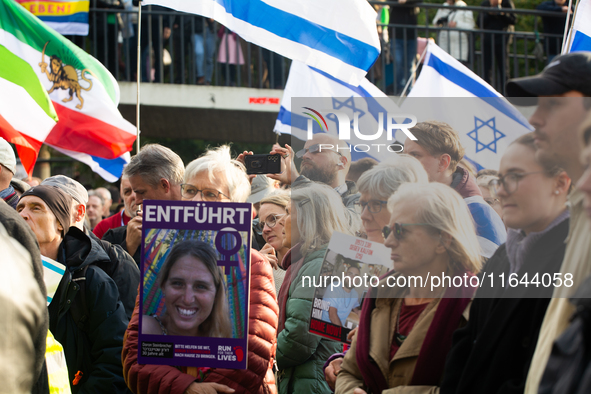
(301, 355)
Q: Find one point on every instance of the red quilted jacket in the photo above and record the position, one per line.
(262, 341)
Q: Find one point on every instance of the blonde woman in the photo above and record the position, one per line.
(405, 332)
(271, 211)
(315, 212)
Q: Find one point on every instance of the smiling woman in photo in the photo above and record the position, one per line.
(194, 295)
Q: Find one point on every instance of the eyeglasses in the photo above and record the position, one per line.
(374, 206)
(271, 221)
(189, 192)
(398, 229)
(509, 182)
(314, 149)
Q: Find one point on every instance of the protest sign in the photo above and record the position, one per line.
(350, 268)
(195, 284)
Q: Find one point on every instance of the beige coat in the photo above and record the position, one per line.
(400, 369)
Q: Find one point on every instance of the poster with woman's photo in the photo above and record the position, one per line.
(350, 268)
(194, 293)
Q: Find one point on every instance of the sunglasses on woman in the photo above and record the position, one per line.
(397, 229)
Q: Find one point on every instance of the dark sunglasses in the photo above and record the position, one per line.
(398, 229)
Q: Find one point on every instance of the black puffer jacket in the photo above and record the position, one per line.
(93, 348)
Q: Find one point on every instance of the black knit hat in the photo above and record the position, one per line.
(57, 201)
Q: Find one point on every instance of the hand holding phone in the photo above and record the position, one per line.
(263, 164)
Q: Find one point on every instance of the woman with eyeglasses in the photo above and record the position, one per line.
(272, 210)
(315, 212)
(493, 352)
(405, 330)
(215, 176)
(376, 186)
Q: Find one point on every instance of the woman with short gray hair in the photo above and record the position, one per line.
(378, 185)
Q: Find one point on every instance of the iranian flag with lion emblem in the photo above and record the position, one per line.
(84, 94)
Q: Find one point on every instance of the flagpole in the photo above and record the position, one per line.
(568, 29)
(138, 76)
(414, 73)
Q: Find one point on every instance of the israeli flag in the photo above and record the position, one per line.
(109, 170)
(310, 89)
(580, 35)
(338, 37)
(486, 121)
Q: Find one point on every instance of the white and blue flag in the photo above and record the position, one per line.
(336, 36)
(580, 34)
(109, 170)
(486, 122)
(311, 87)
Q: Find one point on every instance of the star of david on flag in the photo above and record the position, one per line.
(487, 129)
(343, 105)
(485, 121)
(328, 93)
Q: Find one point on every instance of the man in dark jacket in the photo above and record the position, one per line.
(496, 45)
(569, 366)
(439, 150)
(156, 173)
(86, 316)
(121, 267)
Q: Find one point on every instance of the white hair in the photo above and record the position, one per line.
(443, 208)
(219, 163)
(383, 180)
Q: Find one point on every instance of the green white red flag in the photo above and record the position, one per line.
(84, 94)
(26, 112)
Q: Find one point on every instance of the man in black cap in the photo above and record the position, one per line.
(92, 339)
(563, 92)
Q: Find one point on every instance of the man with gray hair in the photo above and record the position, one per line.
(107, 201)
(123, 217)
(94, 208)
(156, 173)
(123, 270)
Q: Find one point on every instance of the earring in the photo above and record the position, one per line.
(556, 192)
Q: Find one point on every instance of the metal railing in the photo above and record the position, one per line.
(188, 49)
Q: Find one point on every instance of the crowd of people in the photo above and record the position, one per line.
(529, 217)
